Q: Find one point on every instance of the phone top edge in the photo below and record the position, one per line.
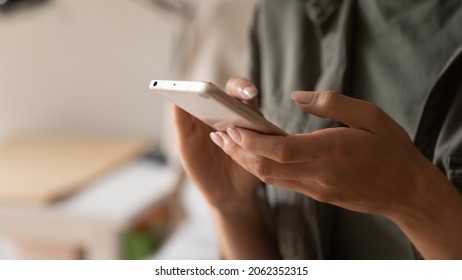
(176, 85)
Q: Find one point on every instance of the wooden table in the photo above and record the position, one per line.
(90, 211)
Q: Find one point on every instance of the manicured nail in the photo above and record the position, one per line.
(234, 134)
(217, 139)
(303, 97)
(249, 92)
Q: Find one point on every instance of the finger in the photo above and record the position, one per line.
(264, 168)
(304, 178)
(181, 117)
(286, 149)
(187, 125)
(183, 121)
(350, 111)
(241, 88)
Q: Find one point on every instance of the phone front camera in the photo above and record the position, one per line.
(155, 83)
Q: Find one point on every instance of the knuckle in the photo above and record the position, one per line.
(248, 143)
(329, 99)
(262, 168)
(283, 152)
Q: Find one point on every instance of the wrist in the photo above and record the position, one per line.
(432, 219)
(429, 193)
(244, 231)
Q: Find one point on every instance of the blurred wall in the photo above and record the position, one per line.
(83, 67)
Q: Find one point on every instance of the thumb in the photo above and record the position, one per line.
(350, 111)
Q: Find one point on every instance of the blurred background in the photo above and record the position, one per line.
(88, 162)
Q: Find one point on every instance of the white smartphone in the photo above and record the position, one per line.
(212, 106)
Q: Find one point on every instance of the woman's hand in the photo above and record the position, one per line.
(229, 188)
(370, 166)
(223, 182)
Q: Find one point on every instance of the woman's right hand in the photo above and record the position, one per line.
(223, 182)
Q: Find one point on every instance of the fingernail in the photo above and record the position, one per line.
(249, 92)
(217, 139)
(303, 97)
(234, 134)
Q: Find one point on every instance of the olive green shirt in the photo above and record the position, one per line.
(400, 48)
